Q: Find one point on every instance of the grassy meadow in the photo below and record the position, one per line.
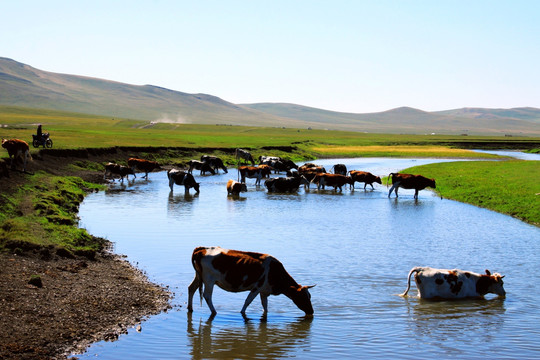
(509, 187)
(73, 131)
(42, 214)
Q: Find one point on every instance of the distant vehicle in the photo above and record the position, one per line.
(44, 140)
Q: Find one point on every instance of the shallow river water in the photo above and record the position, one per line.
(357, 246)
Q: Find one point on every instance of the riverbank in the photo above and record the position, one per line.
(87, 293)
(60, 288)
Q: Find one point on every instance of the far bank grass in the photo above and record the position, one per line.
(509, 187)
(398, 151)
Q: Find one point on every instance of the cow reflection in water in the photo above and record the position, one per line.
(181, 204)
(453, 322)
(250, 339)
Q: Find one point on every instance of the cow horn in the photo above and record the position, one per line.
(310, 286)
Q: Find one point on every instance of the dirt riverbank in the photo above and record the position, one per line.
(79, 300)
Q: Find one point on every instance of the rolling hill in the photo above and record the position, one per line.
(25, 86)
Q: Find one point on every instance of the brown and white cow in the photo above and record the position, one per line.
(454, 284)
(235, 187)
(16, 149)
(200, 165)
(143, 165)
(334, 180)
(180, 177)
(241, 155)
(215, 162)
(286, 184)
(409, 181)
(364, 177)
(236, 271)
(252, 172)
(120, 170)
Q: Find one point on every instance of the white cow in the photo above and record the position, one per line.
(454, 284)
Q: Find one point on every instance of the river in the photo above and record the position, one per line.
(356, 246)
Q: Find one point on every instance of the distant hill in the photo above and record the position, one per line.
(23, 85)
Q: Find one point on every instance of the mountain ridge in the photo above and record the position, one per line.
(23, 85)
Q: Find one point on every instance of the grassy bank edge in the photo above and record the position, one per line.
(508, 187)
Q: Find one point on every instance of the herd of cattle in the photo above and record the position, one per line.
(262, 274)
(296, 176)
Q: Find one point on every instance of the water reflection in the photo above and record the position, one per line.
(451, 322)
(253, 340)
(180, 204)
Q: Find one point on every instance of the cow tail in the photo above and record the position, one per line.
(388, 179)
(413, 270)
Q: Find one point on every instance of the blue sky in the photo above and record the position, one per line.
(352, 56)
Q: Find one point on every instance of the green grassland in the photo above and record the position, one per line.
(42, 214)
(509, 187)
(73, 131)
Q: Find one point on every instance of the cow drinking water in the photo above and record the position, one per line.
(236, 271)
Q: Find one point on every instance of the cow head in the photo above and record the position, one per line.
(302, 298)
(492, 284)
(379, 181)
(4, 142)
(431, 183)
(196, 186)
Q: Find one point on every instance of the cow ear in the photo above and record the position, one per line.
(488, 272)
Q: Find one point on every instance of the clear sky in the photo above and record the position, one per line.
(352, 56)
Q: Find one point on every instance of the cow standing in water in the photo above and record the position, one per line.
(235, 187)
(364, 177)
(454, 284)
(16, 149)
(143, 165)
(180, 177)
(409, 181)
(236, 271)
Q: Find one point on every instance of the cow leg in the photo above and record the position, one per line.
(146, 176)
(264, 302)
(207, 294)
(252, 295)
(416, 193)
(195, 284)
(171, 183)
(394, 186)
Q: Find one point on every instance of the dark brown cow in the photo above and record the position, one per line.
(334, 180)
(235, 187)
(215, 162)
(364, 177)
(311, 167)
(409, 181)
(252, 172)
(236, 271)
(340, 169)
(286, 184)
(200, 165)
(454, 284)
(180, 177)
(120, 170)
(143, 165)
(16, 149)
